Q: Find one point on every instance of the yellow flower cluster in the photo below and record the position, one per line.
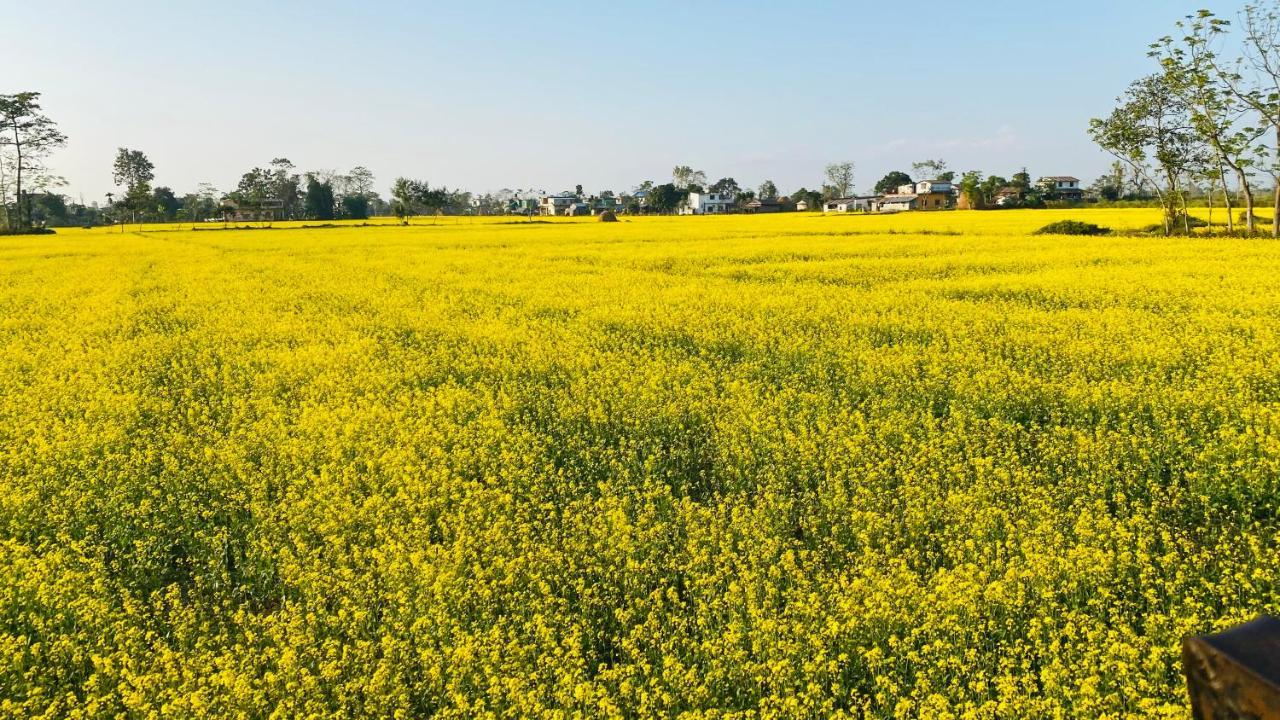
(927, 465)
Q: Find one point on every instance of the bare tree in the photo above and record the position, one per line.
(931, 170)
(683, 177)
(840, 178)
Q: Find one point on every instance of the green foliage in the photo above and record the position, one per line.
(891, 182)
(318, 202)
(665, 198)
(727, 185)
(355, 207)
(1072, 227)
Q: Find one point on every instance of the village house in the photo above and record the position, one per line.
(556, 204)
(899, 202)
(1007, 195)
(608, 203)
(1064, 187)
(707, 203)
(857, 203)
(769, 205)
(929, 194)
(262, 211)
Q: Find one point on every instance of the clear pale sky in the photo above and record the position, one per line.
(485, 95)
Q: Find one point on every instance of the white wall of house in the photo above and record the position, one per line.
(898, 203)
(555, 204)
(851, 204)
(707, 204)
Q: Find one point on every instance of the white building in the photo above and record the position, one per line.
(898, 203)
(1064, 186)
(925, 187)
(857, 203)
(707, 203)
(556, 204)
(1061, 182)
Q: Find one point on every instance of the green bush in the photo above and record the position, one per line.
(1072, 227)
(1257, 219)
(29, 231)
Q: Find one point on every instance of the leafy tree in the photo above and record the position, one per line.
(1151, 131)
(415, 197)
(840, 178)
(277, 181)
(355, 207)
(1106, 188)
(1192, 70)
(971, 189)
(1253, 80)
(991, 186)
(1022, 181)
(727, 186)
(27, 136)
(665, 198)
(768, 190)
(318, 202)
(134, 171)
(890, 183)
(286, 186)
(166, 204)
(812, 197)
(47, 208)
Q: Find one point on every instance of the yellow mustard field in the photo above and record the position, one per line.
(927, 465)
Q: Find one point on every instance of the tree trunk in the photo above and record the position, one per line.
(17, 204)
(1275, 210)
(1247, 197)
(1210, 196)
(1170, 202)
(1226, 200)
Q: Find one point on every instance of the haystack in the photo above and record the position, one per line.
(608, 216)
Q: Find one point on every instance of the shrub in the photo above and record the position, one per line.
(1257, 219)
(1072, 227)
(29, 231)
(1181, 223)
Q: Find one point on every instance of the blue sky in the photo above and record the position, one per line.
(503, 94)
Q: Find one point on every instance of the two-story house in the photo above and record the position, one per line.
(925, 195)
(707, 203)
(556, 204)
(1063, 187)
